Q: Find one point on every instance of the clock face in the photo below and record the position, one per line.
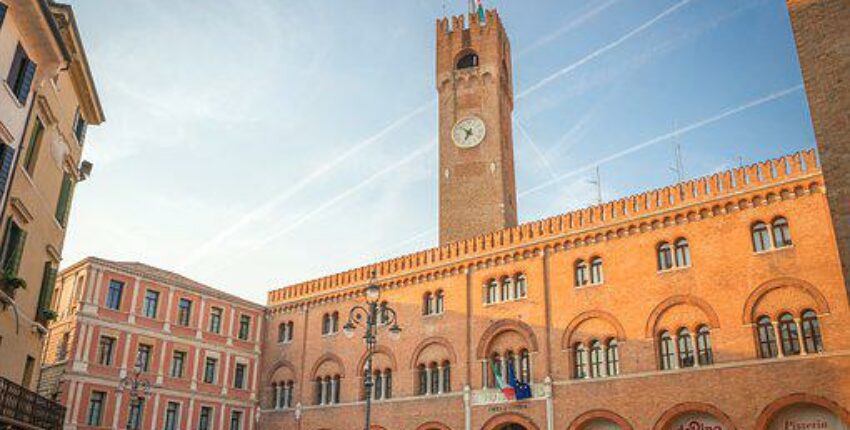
(468, 132)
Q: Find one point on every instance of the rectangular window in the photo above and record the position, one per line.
(105, 349)
(177, 361)
(135, 417)
(80, 126)
(7, 155)
(151, 303)
(184, 313)
(13, 247)
(45, 296)
(215, 320)
(64, 202)
(21, 75)
(29, 368)
(205, 418)
(113, 297)
(239, 376)
(2, 14)
(143, 360)
(31, 155)
(236, 420)
(209, 370)
(172, 416)
(96, 408)
(244, 327)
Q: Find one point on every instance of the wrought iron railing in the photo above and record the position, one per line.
(20, 406)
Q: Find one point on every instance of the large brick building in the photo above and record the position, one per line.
(197, 347)
(717, 303)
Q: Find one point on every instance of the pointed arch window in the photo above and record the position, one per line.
(507, 289)
(524, 366)
(447, 376)
(686, 348)
(789, 335)
(579, 361)
(761, 237)
(667, 350)
(596, 359)
(766, 337)
(704, 354)
(426, 304)
(422, 373)
(434, 378)
(580, 273)
(596, 271)
(612, 355)
(812, 339)
(492, 291)
(683, 253)
(439, 302)
(781, 233)
(284, 332)
(665, 256)
(388, 384)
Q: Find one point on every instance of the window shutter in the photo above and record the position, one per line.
(15, 70)
(29, 74)
(7, 154)
(48, 283)
(64, 199)
(35, 138)
(16, 240)
(2, 14)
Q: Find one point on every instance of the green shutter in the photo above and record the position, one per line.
(48, 283)
(64, 199)
(35, 137)
(13, 248)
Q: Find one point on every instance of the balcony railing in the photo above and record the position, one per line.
(22, 408)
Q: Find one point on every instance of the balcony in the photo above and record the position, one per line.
(21, 408)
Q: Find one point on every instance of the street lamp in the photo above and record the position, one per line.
(369, 316)
(137, 388)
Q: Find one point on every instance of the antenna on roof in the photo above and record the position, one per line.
(741, 161)
(598, 183)
(679, 166)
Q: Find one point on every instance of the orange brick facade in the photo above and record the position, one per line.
(83, 373)
(707, 292)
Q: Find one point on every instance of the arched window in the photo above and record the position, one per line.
(595, 359)
(447, 377)
(789, 336)
(767, 337)
(521, 286)
(335, 322)
(426, 304)
(433, 370)
(579, 361)
(468, 61)
(683, 253)
(704, 354)
(319, 390)
(289, 393)
(781, 233)
(335, 389)
(422, 372)
(388, 384)
(667, 350)
(329, 390)
(524, 366)
(811, 332)
(686, 348)
(580, 273)
(507, 288)
(378, 385)
(510, 366)
(276, 399)
(326, 324)
(665, 256)
(495, 363)
(290, 331)
(761, 238)
(612, 355)
(281, 332)
(596, 271)
(440, 305)
(492, 291)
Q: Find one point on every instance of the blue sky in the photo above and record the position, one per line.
(254, 144)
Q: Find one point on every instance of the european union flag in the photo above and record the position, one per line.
(521, 389)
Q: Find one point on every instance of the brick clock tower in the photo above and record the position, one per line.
(477, 184)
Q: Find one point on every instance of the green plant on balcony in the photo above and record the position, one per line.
(48, 315)
(10, 282)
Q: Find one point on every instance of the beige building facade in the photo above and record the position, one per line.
(47, 100)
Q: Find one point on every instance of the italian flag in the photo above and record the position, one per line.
(506, 388)
(479, 8)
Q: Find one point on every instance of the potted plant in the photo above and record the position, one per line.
(48, 315)
(10, 282)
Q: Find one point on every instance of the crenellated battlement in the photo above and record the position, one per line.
(582, 221)
(449, 25)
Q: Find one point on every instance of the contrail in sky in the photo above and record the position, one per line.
(547, 80)
(534, 146)
(418, 152)
(656, 140)
(265, 208)
(587, 16)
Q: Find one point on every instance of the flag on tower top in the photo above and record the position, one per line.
(479, 8)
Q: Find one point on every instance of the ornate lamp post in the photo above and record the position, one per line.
(137, 388)
(369, 316)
